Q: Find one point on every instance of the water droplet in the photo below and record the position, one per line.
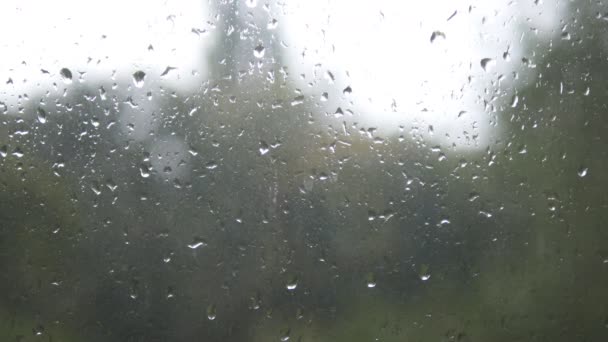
(285, 335)
(167, 70)
(38, 330)
(144, 170)
(251, 3)
(170, 293)
(138, 78)
(197, 243)
(473, 196)
(96, 189)
(3, 151)
(582, 172)
(66, 75)
(487, 64)
(292, 283)
(514, 101)
(370, 280)
(211, 312)
(272, 24)
(18, 153)
(41, 115)
(263, 148)
(258, 51)
(437, 35)
(424, 273)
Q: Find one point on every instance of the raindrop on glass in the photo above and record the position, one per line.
(487, 64)
(66, 75)
(514, 101)
(437, 35)
(258, 51)
(263, 148)
(370, 280)
(582, 172)
(197, 243)
(211, 312)
(138, 78)
(292, 284)
(41, 115)
(424, 273)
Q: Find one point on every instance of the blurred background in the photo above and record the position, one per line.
(322, 170)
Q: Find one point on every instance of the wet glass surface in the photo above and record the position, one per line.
(303, 170)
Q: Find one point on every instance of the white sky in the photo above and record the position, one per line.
(382, 49)
(382, 45)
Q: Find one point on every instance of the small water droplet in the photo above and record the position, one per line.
(258, 51)
(487, 64)
(167, 70)
(582, 171)
(197, 243)
(251, 3)
(138, 78)
(437, 35)
(66, 75)
(272, 24)
(38, 330)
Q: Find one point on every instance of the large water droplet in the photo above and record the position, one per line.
(424, 273)
(211, 312)
(138, 78)
(251, 3)
(144, 171)
(514, 101)
(292, 283)
(582, 172)
(41, 115)
(370, 280)
(285, 335)
(258, 51)
(66, 75)
(487, 64)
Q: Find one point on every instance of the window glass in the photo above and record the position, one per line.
(322, 170)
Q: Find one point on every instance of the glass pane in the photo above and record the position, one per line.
(321, 170)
